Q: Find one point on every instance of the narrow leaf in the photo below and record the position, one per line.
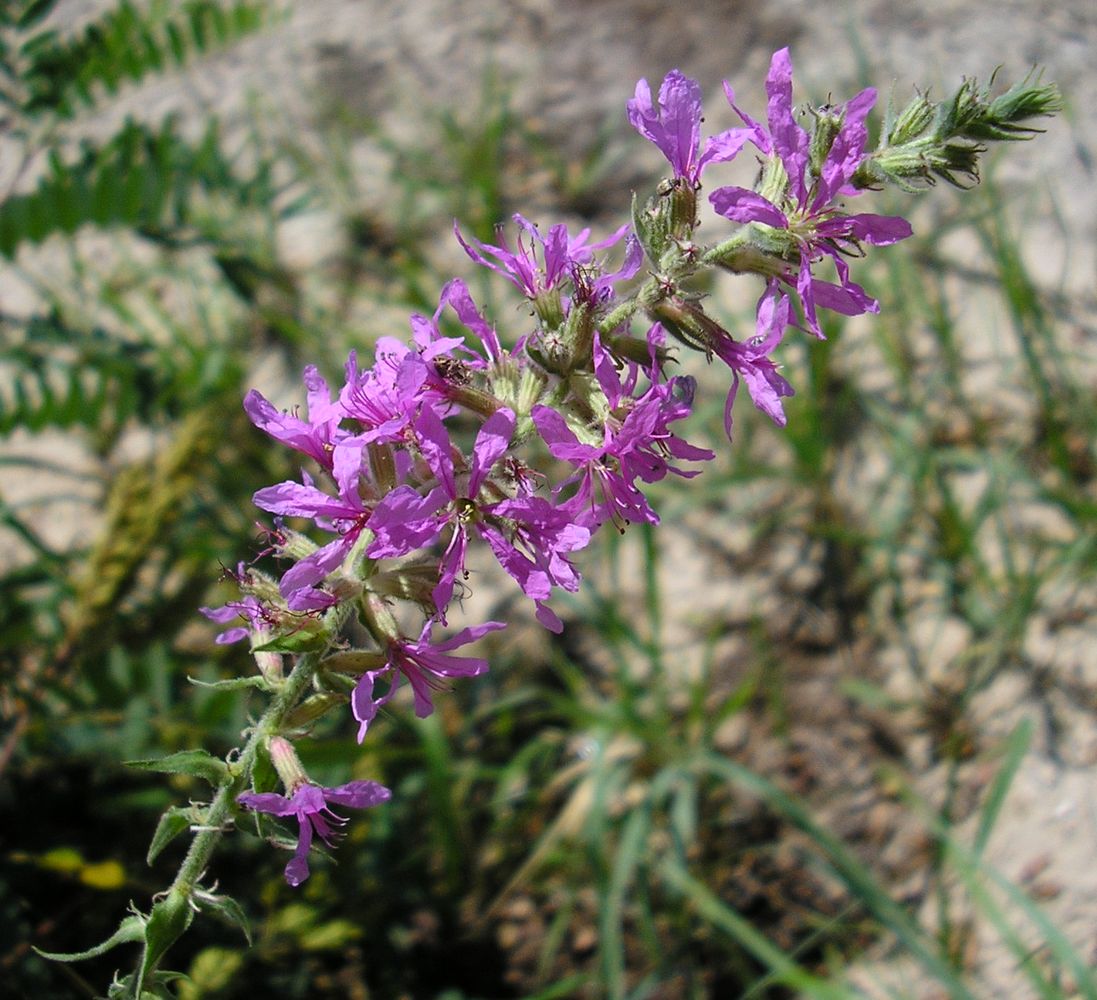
(169, 920)
(230, 912)
(174, 821)
(130, 929)
(233, 683)
(1016, 748)
(198, 763)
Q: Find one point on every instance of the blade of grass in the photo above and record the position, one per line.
(856, 876)
(784, 969)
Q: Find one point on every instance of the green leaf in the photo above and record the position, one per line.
(211, 971)
(124, 42)
(130, 929)
(233, 683)
(34, 13)
(1016, 747)
(174, 821)
(198, 763)
(131, 180)
(353, 661)
(295, 642)
(169, 920)
(713, 909)
(229, 911)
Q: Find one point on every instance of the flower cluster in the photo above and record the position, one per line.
(452, 438)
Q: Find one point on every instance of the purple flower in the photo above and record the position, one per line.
(817, 227)
(635, 443)
(531, 538)
(250, 609)
(560, 255)
(404, 520)
(384, 398)
(314, 437)
(345, 514)
(675, 126)
(434, 345)
(309, 803)
(425, 665)
(599, 475)
(750, 362)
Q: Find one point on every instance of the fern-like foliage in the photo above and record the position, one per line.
(57, 76)
(61, 377)
(142, 178)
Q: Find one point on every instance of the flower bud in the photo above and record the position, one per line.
(828, 123)
(287, 763)
(269, 664)
(913, 121)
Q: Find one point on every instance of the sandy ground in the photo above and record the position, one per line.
(570, 65)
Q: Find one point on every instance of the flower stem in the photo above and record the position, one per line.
(239, 772)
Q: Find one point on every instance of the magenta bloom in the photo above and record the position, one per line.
(250, 609)
(808, 210)
(426, 665)
(560, 255)
(314, 436)
(751, 363)
(404, 520)
(675, 126)
(384, 398)
(433, 344)
(345, 515)
(309, 804)
(635, 445)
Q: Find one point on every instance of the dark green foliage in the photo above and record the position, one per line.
(142, 178)
(59, 76)
(59, 376)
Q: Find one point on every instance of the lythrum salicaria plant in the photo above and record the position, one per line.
(397, 495)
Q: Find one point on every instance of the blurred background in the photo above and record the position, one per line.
(829, 731)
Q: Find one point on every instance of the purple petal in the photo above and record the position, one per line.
(313, 568)
(741, 205)
(848, 148)
(879, 230)
(358, 794)
(268, 802)
(298, 868)
(756, 132)
(362, 703)
(789, 139)
(404, 521)
(548, 618)
(723, 147)
(470, 634)
(849, 299)
(295, 500)
(229, 636)
(491, 444)
(676, 127)
(435, 445)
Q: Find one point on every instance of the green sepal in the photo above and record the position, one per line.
(198, 763)
(354, 661)
(263, 776)
(312, 708)
(229, 911)
(295, 642)
(234, 683)
(174, 821)
(650, 225)
(132, 928)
